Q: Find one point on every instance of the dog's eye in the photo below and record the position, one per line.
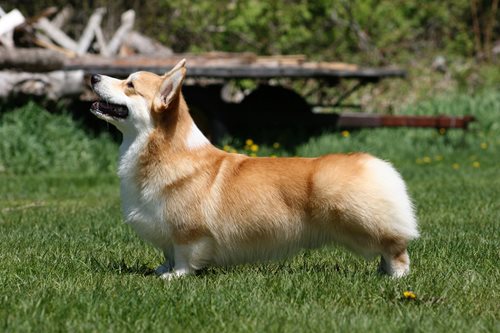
(130, 84)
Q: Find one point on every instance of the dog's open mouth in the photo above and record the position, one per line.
(109, 109)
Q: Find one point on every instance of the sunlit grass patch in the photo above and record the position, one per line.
(68, 263)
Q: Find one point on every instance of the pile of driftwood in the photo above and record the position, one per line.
(38, 57)
(36, 68)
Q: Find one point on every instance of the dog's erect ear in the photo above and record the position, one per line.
(170, 87)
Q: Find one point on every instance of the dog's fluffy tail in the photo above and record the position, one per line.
(398, 221)
(400, 214)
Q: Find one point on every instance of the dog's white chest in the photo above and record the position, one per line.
(143, 206)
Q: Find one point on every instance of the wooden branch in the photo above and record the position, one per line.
(145, 45)
(33, 60)
(47, 12)
(62, 17)
(56, 34)
(45, 42)
(89, 32)
(7, 39)
(128, 19)
(11, 20)
(103, 48)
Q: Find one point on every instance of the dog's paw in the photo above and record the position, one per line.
(168, 276)
(175, 274)
(162, 269)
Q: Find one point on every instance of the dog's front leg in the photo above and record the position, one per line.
(182, 255)
(169, 263)
(190, 257)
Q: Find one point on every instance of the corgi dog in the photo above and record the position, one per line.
(202, 206)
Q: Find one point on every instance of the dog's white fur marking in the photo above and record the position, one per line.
(202, 206)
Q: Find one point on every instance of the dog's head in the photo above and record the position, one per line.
(134, 103)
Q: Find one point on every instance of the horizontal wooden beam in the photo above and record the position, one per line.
(229, 69)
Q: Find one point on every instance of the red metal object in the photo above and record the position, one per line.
(355, 120)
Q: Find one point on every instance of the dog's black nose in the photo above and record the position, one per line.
(95, 78)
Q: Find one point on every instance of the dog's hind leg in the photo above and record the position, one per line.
(395, 261)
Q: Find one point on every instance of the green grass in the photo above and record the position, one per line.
(68, 263)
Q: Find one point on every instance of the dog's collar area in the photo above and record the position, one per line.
(109, 109)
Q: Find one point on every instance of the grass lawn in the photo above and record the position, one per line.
(68, 263)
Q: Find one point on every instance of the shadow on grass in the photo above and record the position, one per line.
(121, 267)
(284, 267)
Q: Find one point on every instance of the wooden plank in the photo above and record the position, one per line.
(226, 69)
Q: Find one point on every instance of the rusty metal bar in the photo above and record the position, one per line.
(356, 120)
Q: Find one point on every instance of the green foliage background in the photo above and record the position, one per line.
(371, 31)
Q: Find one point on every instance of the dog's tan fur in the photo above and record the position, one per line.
(203, 206)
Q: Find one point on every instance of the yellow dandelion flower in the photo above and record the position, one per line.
(426, 159)
(227, 148)
(345, 134)
(455, 166)
(409, 295)
(249, 142)
(442, 131)
(438, 158)
(276, 145)
(476, 164)
(484, 145)
(254, 148)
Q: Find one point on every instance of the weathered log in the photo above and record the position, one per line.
(7, 24)
(128, 19)
(89, 32)
(10, 20)
(56, 34)
(52, 85)
(43, 41)
(145, 45)
(6, 39)
(103, 47)
(32, 60)
(62, 17)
